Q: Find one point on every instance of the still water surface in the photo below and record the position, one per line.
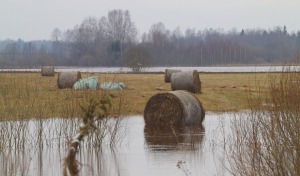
(38, 147)
(248, 69)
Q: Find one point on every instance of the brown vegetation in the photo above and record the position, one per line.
(29, 95)
(265, 141)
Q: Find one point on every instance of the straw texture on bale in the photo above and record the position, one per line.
(175, 108)
(47, 71)
(67, 79)
(168, 74)
(188, 80)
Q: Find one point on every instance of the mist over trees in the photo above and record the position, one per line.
(113, 40)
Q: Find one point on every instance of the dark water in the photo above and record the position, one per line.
(38, 148)
(162, 69)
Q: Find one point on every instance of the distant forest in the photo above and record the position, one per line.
(113, 40)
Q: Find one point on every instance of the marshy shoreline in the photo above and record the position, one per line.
(262, 141)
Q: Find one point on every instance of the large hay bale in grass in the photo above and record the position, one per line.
(176, 108)
(188, 80)
(47, 71)
(67, 79)
(168, 74)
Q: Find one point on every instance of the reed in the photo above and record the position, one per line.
(266, 140)
(183, 167)
(23, 143)
(97, 110)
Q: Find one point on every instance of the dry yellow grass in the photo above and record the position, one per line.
(29, 95)
(220, 92)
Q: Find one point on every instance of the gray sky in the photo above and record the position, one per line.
(36, 19)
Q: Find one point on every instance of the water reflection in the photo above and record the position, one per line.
(187, 138)
(38, 147)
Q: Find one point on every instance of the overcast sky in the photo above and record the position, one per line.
(36, 19)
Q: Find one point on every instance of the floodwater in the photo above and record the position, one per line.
(245, 69)
(38, 147)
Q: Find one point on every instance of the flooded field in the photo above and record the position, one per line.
(218, 69)
(38, 147)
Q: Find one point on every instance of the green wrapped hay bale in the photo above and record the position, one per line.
(87, 83)
(168, 74)
(47, 71)
(112, 86)
(175, 108)
(67, 79)
(188, 80)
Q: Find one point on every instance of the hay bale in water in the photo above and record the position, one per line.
(176, 108)
(47, 71)
(188, 80)
(168, 74)
(67, 79)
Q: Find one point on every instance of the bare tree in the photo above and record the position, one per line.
(56, 35)
(158, 34)
(88, 30)
(120, 31)
(57, 49)
(82, 41)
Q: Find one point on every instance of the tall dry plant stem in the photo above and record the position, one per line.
(266, 141)
(96, 110)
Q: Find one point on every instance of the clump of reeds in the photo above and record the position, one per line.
(267, 140)
(95, 126)
(23, 142)
(96, 110)
(31, 96)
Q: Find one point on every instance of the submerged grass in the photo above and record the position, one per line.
(29, 95)
(25, 143)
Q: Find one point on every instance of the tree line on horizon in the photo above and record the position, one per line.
(113, 40)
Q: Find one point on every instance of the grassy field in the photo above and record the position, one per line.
(30, 95)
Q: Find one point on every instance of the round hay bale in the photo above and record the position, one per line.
(67, 79)
(188, 80)
(175, 108)
(47, 71)
(168, 74)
